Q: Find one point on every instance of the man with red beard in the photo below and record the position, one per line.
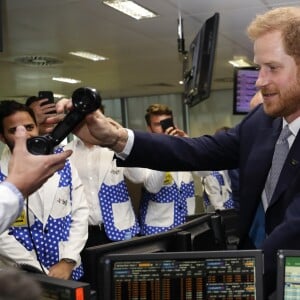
(249, 146)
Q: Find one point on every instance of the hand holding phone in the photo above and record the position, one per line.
(47, 95)
(167, 123)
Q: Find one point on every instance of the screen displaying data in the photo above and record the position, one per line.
(169, 279)
(245, 89)
(292, 278)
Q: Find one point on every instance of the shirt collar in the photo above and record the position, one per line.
(294, 126)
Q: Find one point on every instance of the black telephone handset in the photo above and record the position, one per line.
(85, 101)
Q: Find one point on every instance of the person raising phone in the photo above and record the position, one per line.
(174, 199)
(26, 173)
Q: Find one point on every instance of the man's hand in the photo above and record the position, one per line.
(176, 132)
(50, 123)
(43, 113)
(101, 131)
(61, 270)
(27, 171)
(108, 132)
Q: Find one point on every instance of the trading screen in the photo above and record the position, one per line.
(292, 278)
(218, 278)
(245, 89)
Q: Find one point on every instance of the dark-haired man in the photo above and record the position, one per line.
(52, 228)
(26, 173)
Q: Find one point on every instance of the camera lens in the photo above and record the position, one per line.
(86, 100)
(40, 145)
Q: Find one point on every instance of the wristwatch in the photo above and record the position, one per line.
(69, 261)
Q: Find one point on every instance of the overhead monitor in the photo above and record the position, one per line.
(184, 275)
(288, 275)
(201, 56)
(244, 89)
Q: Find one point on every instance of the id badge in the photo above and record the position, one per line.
(21, 220)
(168, 179)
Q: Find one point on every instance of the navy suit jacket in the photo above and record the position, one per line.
(249, 146)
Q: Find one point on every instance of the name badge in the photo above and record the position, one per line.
(21, 220)
(168, 179)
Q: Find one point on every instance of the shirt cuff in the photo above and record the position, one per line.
(128, 147)
(15, 190)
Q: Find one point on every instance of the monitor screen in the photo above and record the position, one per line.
(160, 242)
(201, 55)
(244, 89)
(202, 234)
(288, 275)
(184, 275)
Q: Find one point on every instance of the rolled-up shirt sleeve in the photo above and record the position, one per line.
(11, 204)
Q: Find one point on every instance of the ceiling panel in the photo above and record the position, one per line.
(143, 56)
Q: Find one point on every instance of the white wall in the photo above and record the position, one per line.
(212, 113)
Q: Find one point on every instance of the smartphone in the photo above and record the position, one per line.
(167, 123)
(46, 94)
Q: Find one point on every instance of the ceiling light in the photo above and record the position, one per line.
(59, 96)
(67, 80)
(88, 55)
(131, 9)
(241, 61)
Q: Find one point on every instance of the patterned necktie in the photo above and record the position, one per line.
(279, 156)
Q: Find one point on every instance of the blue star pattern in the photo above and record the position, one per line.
(227, 203)
(2, 176)
(168, 193)
(108, 195)
(57, 230)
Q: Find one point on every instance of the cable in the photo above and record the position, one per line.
(30, 234)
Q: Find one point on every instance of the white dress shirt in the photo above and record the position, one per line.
(11, 204)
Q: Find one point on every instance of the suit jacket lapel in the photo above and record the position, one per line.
(289, 170)
(256, 170)
(259, 162)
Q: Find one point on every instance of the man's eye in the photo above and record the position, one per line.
(273, 68)
(29, 127)
(12, 130)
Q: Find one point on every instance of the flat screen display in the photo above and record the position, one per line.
(198, 76)
(244, 89)
(184, 275)
(288, 275)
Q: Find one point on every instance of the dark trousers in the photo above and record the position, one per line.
(96, 237)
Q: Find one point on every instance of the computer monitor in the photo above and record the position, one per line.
(288, 275)
(244, 89)
(184, 275)
(203, 234)
(200, 58)
(161, 242)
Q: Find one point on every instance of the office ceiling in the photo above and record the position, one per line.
(143, 56)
